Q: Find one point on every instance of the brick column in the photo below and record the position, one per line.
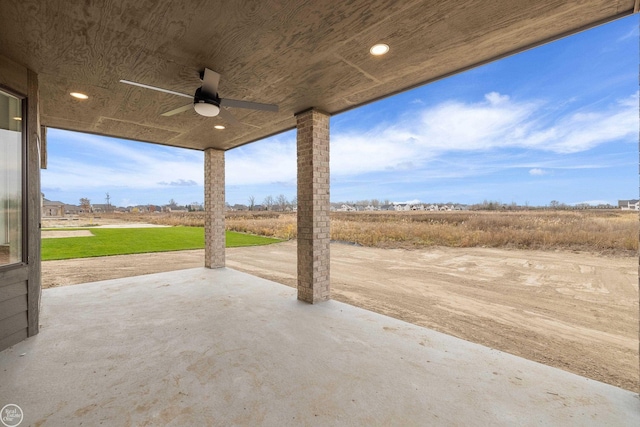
(214, 206)
(313, 206)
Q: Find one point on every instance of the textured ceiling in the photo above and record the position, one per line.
(294, 53)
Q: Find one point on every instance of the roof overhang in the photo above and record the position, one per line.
(297, 54)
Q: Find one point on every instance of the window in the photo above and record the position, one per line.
(11, 176)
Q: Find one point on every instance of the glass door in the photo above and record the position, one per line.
(11, 180)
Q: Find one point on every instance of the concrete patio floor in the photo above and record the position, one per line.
(220, 347)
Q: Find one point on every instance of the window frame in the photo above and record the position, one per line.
(24, 217)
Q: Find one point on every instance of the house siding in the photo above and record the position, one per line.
(13, 307)
(20, 284)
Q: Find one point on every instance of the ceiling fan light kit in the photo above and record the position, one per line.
(206, 101)
(205, 109)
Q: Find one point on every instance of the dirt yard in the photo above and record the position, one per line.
(574, 311)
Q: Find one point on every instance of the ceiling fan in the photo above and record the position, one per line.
(206, 100)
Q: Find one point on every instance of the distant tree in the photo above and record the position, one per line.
(282, 202)
(375, 203)
(490, 205)
(554, 204)
(85, 204)
(268, 202)
(294, 203)
(252, 202)
(173, 204)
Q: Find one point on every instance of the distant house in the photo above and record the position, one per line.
(346, 208)
(72, 209)
(402, 206)
(52, 209)
(629, 205)
(140, 209)
(101, 207)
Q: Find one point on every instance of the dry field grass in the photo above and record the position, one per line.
(610, 232)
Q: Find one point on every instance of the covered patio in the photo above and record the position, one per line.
(213, 346)
(220, 347)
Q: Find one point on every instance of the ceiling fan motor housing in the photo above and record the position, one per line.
(208, 97)
(206, 103)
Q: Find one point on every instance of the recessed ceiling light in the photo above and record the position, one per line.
(19, 119)
(219, 127)
(379, 49)
(79, 95)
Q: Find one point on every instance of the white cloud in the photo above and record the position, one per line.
(537, 172)
(264, 162)
(585, 130)
(497, 123)
(89, 161)
(179, 183)
(422, 144)
(633, 33)
(408, 202)
(425, 135)
(495, 98)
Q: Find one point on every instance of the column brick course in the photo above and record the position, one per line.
(214, 205)
(313, 206)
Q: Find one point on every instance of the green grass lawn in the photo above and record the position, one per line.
(123, 241)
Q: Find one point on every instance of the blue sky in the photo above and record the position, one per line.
(559, 122)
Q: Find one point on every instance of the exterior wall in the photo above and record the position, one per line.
(14, 319)
(20, 284)
(53, 211)
(313, 206)
(214, 205)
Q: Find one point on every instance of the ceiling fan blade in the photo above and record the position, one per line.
(248, 104)
(210, 80)
(156, 88)
(178, 110)
(228, 117)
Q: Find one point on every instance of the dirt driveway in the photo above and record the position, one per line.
(577, 312)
